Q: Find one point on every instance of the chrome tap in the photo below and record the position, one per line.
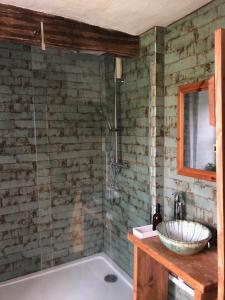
(179, 206)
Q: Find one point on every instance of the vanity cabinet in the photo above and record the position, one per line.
(153, 262)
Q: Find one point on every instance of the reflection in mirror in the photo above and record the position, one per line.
(199, 135)
(196, 135)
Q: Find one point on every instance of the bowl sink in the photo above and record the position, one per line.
(184, 237)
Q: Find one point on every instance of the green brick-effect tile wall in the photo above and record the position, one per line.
(130, 205)
(189, 57)
(48, 112)
(51, 158)
(19, 208)
(156, 124)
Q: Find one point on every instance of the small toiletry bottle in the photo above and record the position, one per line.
(157, 218)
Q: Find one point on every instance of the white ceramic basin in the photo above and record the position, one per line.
(184, 237)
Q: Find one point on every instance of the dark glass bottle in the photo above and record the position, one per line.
(157, 218)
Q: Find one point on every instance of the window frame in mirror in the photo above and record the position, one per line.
(182, 90)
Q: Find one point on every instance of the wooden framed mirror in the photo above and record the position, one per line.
(196, 140)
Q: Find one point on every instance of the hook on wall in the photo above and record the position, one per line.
(37, 32)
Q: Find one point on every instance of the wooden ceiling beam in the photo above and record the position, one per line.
(23, 26)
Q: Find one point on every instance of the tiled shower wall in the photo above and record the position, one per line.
(51, 158)
(128, 205)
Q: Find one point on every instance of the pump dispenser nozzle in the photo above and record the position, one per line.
(179, 206)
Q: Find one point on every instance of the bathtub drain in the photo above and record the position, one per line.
(110, 278)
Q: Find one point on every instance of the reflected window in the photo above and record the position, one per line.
(199, 135)
(196, 139)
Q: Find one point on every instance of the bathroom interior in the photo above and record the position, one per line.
(108, 109)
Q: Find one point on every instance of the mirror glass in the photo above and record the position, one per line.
(199, 135)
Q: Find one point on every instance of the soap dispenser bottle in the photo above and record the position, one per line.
(157, 218)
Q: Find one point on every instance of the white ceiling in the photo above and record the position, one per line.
(131, 16)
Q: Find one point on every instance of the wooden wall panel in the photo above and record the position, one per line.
(220, 153)
(212, 100)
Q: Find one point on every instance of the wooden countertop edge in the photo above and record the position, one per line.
(193, 283)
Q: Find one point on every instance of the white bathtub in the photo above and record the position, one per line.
(79, 280)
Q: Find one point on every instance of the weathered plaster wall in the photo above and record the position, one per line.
(50, 163)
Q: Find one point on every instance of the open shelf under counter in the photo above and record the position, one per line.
(153, 262)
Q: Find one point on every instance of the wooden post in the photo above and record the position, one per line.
(220, 152)
(212, 103)
(212, 295)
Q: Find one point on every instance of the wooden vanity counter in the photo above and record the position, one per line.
(153, 262)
